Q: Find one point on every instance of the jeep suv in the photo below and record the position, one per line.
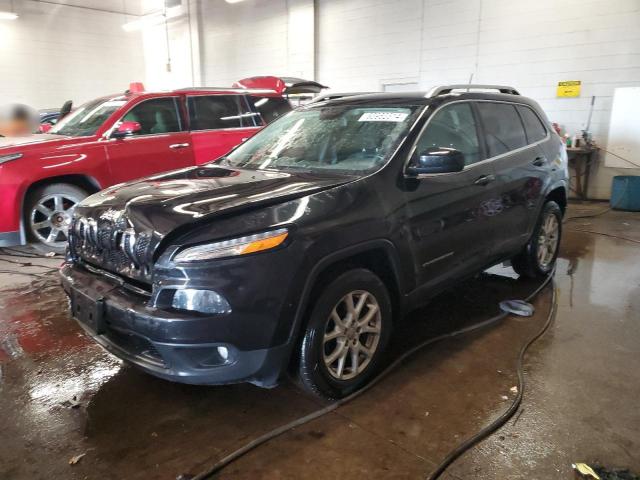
(301, 247)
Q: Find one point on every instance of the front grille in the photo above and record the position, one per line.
(110, 243)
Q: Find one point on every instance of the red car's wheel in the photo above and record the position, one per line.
(49, 211)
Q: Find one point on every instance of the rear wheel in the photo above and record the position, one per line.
(49, 210)
(538, 257)
(346, 335)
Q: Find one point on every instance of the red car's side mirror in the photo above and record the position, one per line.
(45, 127)
(126, 129)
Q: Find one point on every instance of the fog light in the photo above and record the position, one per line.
(205, 301)
(208, 356)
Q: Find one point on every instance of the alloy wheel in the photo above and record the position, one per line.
(548, 240)
(352, 335)
(50, 219)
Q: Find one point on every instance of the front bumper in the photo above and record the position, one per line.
(165, 343)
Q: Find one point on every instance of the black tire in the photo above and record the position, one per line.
(58, 198)
(313, 373)
(528, 263)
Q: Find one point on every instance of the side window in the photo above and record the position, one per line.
(453, 127)
(532, 124)
(270, 108)
(211, 112)
(159, 115)
(502, 127)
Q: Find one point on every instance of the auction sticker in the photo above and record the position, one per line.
(383, 117)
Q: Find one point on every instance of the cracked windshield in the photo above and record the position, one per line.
(340, 139)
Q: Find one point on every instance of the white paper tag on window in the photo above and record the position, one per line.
(383, 117)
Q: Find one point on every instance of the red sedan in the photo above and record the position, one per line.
(119, 138)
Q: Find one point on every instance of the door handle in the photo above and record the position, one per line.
(539, 162)
(484, 180)
(177, 146)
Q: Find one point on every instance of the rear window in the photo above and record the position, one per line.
(212, 112)
(503, 128)
(532, 124)
(270, 108)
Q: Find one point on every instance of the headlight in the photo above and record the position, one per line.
(8, 158)
(205, 301)
(234, 247)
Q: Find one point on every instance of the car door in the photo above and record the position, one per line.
(218, 123)
(452, 215)
(161, 144)
(520, 167)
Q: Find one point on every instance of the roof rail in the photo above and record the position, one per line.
(445, 89)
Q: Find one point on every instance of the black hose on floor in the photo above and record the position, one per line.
(235, 455)
(506, 416)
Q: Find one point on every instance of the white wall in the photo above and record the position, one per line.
(182, 48)
(397, 44)
(364, 44)
(256, 37)
(180, 74)
(53, 53)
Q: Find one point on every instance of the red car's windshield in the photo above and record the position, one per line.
(88, 118)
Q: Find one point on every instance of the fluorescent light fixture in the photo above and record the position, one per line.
(8, 16)
(153, 19)
(234, 1)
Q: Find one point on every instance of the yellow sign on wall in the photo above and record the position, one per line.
(569, 88)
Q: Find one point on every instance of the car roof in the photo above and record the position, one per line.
(128, 96)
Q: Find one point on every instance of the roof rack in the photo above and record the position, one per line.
(445, 89)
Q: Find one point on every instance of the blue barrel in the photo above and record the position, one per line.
(625, 193)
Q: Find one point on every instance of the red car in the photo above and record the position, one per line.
(119, 138)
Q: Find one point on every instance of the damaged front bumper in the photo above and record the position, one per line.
(186, 347)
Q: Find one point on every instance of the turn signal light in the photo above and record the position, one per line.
(237, 246)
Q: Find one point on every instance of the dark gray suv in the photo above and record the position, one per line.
(299, 248)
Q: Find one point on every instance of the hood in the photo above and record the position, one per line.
(121, 227)
(164, 202)
(29, 140)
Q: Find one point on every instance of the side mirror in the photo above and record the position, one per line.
(126, 129)
(45, 127)
(436, 160)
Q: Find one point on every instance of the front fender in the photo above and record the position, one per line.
(312, 274)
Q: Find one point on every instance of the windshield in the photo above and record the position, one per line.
(87, 119)
(348, 139)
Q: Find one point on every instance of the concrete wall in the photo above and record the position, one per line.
(364, 45)
(256, 37)
(53, 53)
(408, 44)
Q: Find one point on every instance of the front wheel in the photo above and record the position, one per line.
(48, 211)
(538, 257)
(346, 335)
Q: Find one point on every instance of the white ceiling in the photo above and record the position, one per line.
(131, 7)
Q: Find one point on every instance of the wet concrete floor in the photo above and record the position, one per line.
(62, 396)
